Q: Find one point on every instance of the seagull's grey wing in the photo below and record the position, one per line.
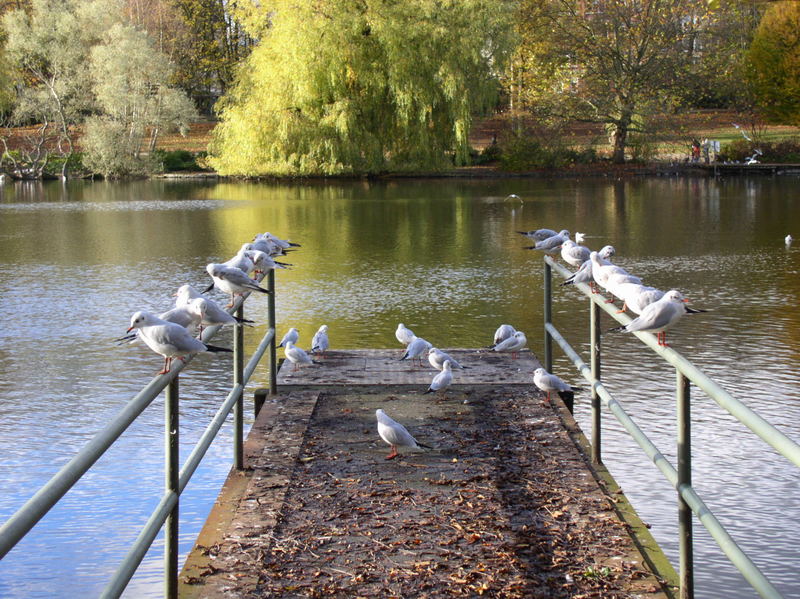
(655, 317)
(396, 434)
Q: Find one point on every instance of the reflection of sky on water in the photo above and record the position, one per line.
(444, 258)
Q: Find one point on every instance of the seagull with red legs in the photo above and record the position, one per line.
(395, 434)
(660, 316)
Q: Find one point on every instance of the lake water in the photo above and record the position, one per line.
(443, 257)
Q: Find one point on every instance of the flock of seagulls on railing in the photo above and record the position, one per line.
(172, 333)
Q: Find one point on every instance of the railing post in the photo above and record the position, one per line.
(594, 324)
(172, 468)
(273, 359)
(548, 316)
(684, 479)
(238, 378)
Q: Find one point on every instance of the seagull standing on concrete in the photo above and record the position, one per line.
(404, 335)
(549, 382)
(395, 434)
(442, 380)
(503, 332)
(415, 349)
(437, 358)
(513, 344)
(168, 339)
(297, 356)
(291, 335)
(320, 343)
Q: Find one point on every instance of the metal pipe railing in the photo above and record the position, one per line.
(166, 513)
(680, 478)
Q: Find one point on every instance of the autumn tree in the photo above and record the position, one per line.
(774, 60)
(361, 87)
(135, 103)
(613, 62)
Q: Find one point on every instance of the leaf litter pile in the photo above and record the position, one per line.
(503, 506)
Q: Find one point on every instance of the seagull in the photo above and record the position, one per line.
(752, 159)
(539, 234)
(415, 349)
(395, 434)
(297, 356)
(187, 315)
(212, 313)
(263, 244)
(573, 253)
(513, 344)
(788, 240)
(602, 269)
(512, 196)
(320, 343)
(404, 335)
(242, 260)
(636, 297)
(231, 280)
(549, 382)
(168, 339)
(659, 316)
(503, 332)
(283, 243)
(263, 261)
(551, 245)
(437, 358)
(739, 127)
(291, 335)
(442, 380)
(580, 237)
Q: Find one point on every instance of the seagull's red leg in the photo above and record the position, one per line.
(393, 454)
(623, 308)
(167, 363)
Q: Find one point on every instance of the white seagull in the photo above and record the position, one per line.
(231, 280)
(404, 335)
(580, 237)
(320, 343)
(437, 357)
(573, 253)
(503, 332)
(416, 349)
(549, 382)
(513, 344)
(539, 234)
(291, 335)
(395, 434)
(242, 260)
(297, 356)
(442, 380)
(168, 339)
(660, 316)
(788, 240)
(212, 313)
(264, 262)
(551, 245)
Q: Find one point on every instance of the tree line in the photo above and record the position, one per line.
(369, 86)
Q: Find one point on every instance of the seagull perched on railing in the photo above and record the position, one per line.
(539, 234)
(231, 280)
(168, 339)
(660, 316)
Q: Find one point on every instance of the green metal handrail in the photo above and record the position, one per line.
(680, 478)
(166, 512)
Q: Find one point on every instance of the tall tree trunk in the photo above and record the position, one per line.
(620, 141)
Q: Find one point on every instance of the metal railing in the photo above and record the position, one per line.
(680, 478)
(166, 512)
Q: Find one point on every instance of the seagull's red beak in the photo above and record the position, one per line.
(129, 330)
(685, 301)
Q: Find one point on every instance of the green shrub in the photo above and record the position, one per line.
(525, 153)
(177, 160)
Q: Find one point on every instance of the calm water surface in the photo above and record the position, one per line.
(441, 256)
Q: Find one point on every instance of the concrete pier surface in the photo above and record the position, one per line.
(504, 505)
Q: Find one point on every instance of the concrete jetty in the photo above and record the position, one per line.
(506, 503)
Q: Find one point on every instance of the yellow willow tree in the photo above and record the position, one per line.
(339, 87)
(774, 59)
